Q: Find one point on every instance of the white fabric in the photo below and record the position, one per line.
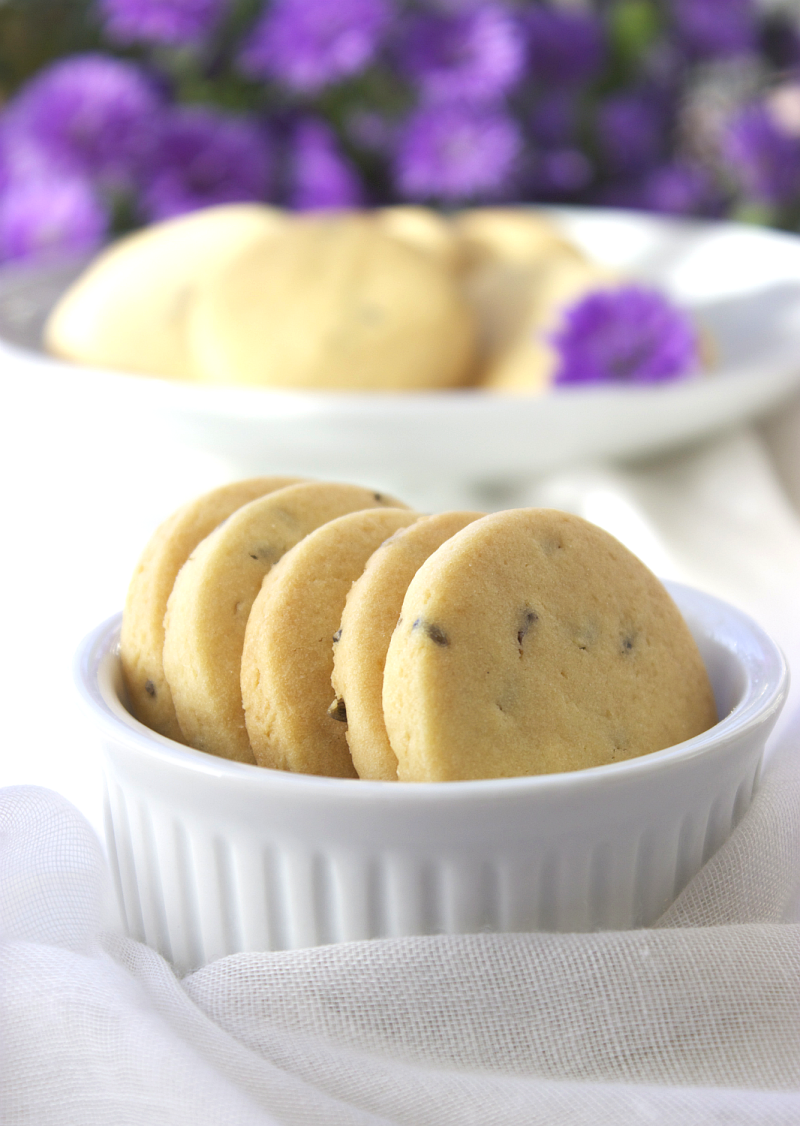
(694, 1021)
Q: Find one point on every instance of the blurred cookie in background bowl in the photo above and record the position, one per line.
(333, 303)
(128, 309)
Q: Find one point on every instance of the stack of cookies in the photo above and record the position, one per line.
(328, 629)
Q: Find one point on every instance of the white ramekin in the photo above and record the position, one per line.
(212, 857)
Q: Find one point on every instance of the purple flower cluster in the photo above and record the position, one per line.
(566, 51)
(566, 47)
(709, 29)
(477, 55)
(679, 187)
(75, 135)
(89, 115)
(94, 131)
(320, 176)
(626, 335)
(309, 44)
(203, 157)
(630, 130)
(461, 142)
(171, 22)
(455, 152)
(764, 156)
(320, 104)
(56, 215)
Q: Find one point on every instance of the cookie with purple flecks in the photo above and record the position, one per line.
(362, 640)
(208, 608)
(533, 642)
(142, 637)
(288, 647)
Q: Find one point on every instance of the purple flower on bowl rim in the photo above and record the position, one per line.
(456, 152)
(307, 45)
(205, 157)
(629, 335)
(476, 55)
(175, 23)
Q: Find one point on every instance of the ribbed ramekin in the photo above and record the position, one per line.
(212, 857)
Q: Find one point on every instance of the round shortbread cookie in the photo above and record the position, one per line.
(210, 602)
(128, 309)
(518, 235)
(368, 620)
(288, 651)
(533, 642)
(142, 637)
(424, 229)
(333, 303)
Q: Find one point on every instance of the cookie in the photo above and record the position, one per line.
(533, 642)
(288, 650)
(368, 620)
(128, 310)
(519, 235)
(333, 303)
(142, 638)
(424, 229)
(210, 602)
(509, 256)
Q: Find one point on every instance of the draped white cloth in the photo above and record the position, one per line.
(693, 1021)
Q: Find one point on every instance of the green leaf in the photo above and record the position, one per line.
(756, 214)
(634, 25)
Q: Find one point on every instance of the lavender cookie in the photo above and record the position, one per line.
(533, 642)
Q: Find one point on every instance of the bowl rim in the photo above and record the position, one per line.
(264, 403)
(762, 663)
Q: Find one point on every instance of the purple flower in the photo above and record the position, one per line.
(205, 157)
(565, 47)
(765, 159)
(41, 216)
(560, 173)
(628, 335)
(174, 22)
(680, 188)
(89, 114)
(477, 55)
(310, 44)
(630, 130)
(21, 156)
(554, 118)
(715, 28)
(322, 178)
(454, 152)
